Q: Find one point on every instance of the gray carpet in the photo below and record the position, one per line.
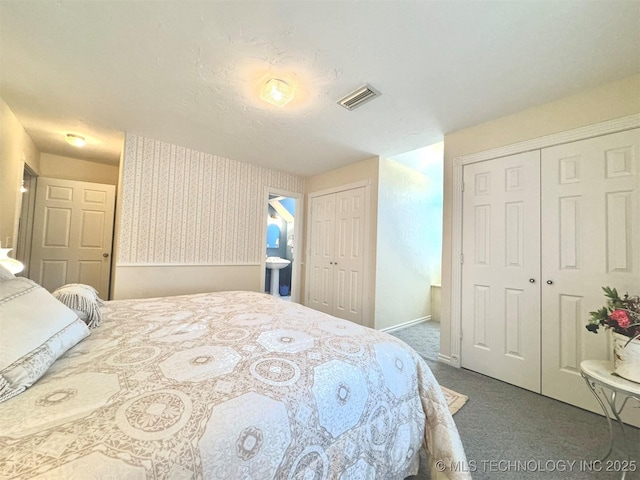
(504, 423)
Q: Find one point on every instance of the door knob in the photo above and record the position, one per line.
(105, 255)
(532, 280)
(549, 282)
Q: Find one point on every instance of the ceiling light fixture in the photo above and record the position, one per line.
(75, 140)
(277, 92)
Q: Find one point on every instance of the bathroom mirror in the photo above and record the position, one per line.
(273, 236)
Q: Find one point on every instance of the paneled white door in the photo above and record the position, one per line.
(323, 210)
(590, 239)
(501, 269)
(72, 234)
(586, 236)
(336, 256)
(348, 259)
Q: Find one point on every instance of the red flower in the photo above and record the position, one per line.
(621, 317)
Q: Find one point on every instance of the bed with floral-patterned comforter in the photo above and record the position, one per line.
(229, 385)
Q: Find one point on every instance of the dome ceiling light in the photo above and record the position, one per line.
(75, 140)
(277, 92)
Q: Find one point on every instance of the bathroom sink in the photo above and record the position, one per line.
(277, 263)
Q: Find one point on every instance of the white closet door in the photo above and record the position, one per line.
(322, 253)
(72, 234)
(349, 257)
(501, 269)
(337, 253)
(590, 238)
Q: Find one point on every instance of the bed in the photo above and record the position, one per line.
(229, 385)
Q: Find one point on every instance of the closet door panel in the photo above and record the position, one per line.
(349, 258)
(591, 223)
(501, 250)
(321, 278)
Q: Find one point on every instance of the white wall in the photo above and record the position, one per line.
(607, 102)
(16, 150)
(145, 281)
(409, 236)
(56, 166)
(403, 272)
(180, 208)
(429, 161)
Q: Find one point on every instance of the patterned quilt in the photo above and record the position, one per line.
(230, 385)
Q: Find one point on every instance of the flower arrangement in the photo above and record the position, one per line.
(621, 314)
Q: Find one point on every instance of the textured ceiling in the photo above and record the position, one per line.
(189, 72)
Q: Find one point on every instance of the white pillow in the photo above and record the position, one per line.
(83, 300)
(5, 274)
(36, 329)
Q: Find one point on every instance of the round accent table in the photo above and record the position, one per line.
(616, 392)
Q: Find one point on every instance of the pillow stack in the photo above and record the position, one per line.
(83, 300)
(36, 330)
(5, 274)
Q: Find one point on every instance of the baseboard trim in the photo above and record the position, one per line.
(406, 324)
(445, 359)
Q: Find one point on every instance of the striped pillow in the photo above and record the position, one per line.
(83, 300)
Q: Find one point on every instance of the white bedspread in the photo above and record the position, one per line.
(233, 385)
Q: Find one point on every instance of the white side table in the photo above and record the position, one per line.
(608, 387)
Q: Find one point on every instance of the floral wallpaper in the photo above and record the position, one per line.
(181, 206)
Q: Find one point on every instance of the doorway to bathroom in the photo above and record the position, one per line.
(283, 231)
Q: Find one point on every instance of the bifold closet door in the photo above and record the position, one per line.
(336, 256)
(590, 239)
(348, 265)
(501, 269)
(321, 253)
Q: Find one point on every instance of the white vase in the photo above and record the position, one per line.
(626, 360)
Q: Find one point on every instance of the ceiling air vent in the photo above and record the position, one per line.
(359, 97)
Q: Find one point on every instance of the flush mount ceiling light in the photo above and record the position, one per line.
(277, 92)
(75, 140)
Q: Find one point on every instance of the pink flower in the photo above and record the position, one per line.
(621, 317)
